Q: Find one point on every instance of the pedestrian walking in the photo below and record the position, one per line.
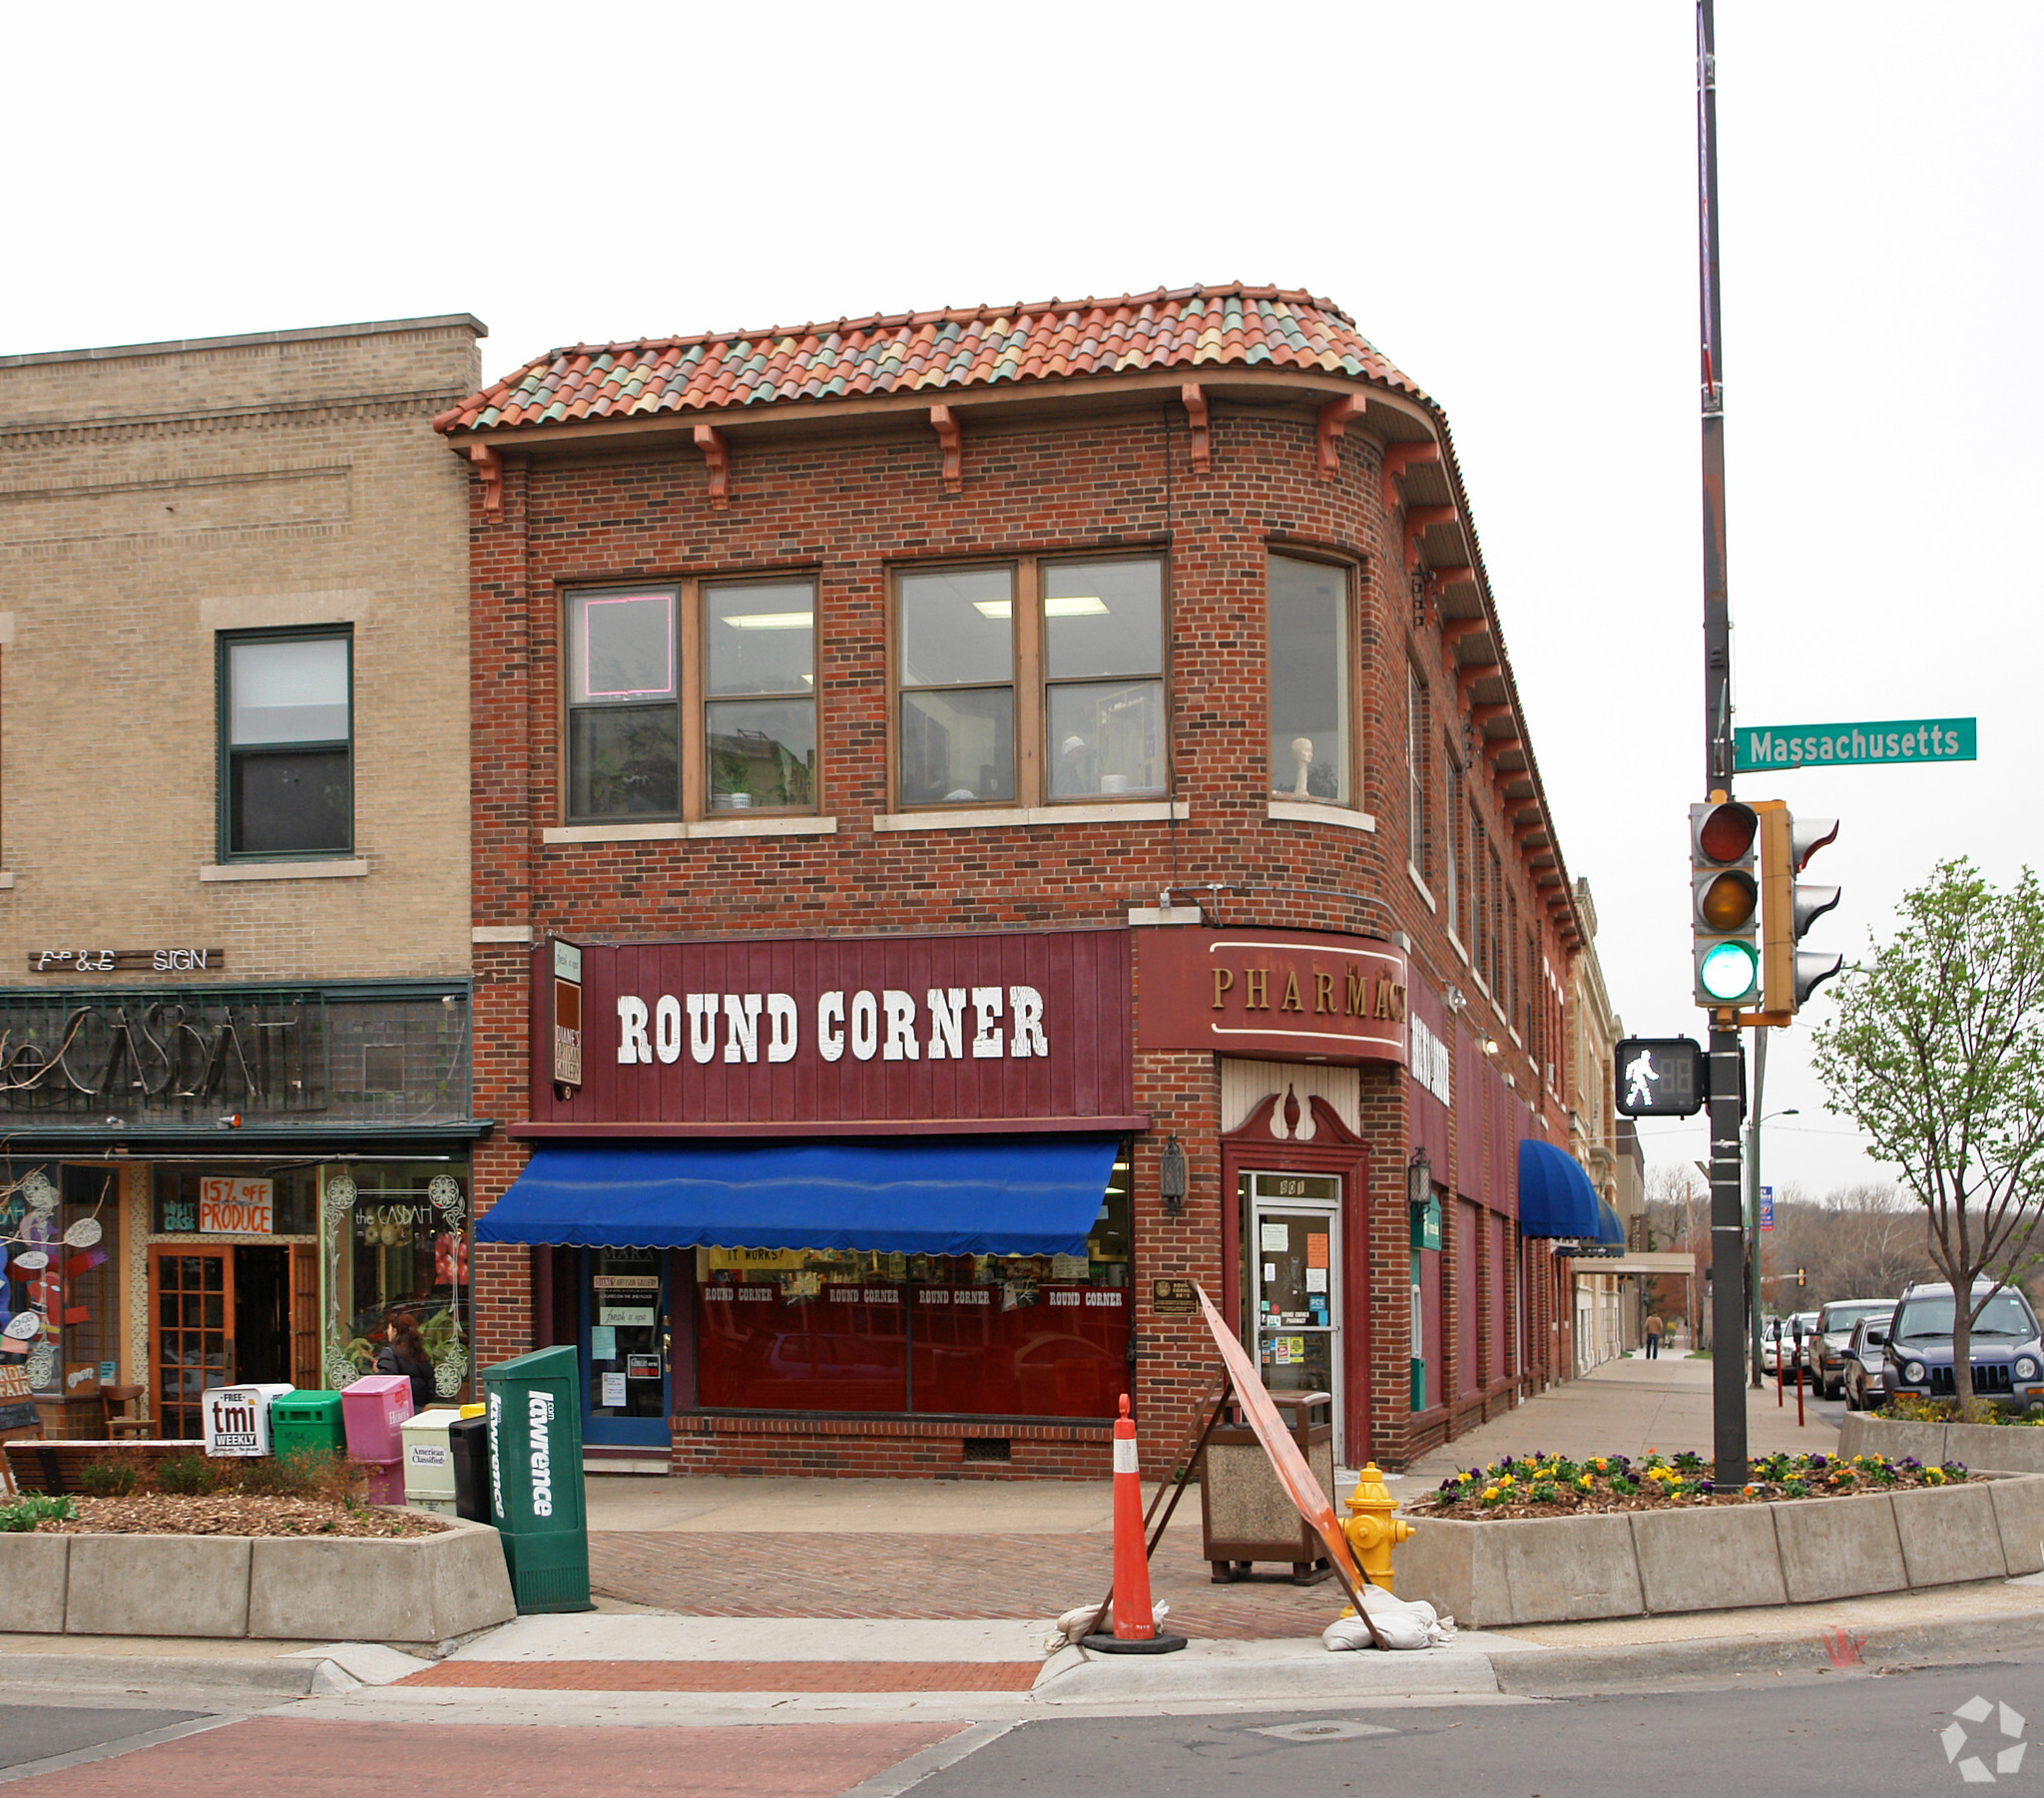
(405, 1354)
(1654, 1331)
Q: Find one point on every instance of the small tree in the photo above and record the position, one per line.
(1937, 1054)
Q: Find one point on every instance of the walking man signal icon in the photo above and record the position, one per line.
(1639, 1079)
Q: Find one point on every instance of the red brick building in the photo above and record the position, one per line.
(944, 786)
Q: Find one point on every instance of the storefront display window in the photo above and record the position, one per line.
(61, 1231)
(925, 1335)
(395, 1238)
(227, 1202)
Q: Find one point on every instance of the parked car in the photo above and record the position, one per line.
(2008, 1359)
(1803, 1322)
(1866, 1384)
(1833, 1330)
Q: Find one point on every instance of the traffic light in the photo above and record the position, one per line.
(1725, 903)
(1801, 1279)
(1789, 907)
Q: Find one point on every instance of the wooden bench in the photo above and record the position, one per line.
(56, 1468)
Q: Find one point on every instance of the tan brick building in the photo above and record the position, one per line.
(233, 859)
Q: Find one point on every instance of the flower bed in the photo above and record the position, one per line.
(1551, 1486)
(1859, 1524)
(1907, 1408)
(231, 1514)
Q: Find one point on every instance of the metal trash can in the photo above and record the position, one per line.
(307, 1422)
(373, 1411)
(429, 1460)
(534, 1417)
(468, 1446)
(1246, 1514)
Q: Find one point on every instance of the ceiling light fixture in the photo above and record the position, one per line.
(768, 621)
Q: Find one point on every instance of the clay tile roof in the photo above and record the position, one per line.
(981, 346)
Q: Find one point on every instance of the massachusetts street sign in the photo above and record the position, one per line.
(1771, 747)
(1661, 1076)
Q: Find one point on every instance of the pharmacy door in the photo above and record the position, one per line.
(1296, 1274)
(624, 1346)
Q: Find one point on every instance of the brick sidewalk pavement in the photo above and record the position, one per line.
(766, 1573)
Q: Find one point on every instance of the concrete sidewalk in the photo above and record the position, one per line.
(1627, 1407)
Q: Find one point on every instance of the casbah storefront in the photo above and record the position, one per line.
(208, 1185)
(868, 1192)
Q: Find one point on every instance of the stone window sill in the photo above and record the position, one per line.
(1412, 874)
(1308, 812)
(676, 831)
(285, 870)
(996, 817)
(6, 883)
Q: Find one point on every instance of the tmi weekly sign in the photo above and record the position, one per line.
(1773, 746)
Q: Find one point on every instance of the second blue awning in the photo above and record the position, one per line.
(1555, 1196)
(957, 1196)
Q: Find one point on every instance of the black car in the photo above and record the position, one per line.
(2008, 1359)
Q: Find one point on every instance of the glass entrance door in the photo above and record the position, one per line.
(624, 1346)
(1295, 1264)
(193, 1345)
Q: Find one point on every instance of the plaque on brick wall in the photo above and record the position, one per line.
(1174, 1299)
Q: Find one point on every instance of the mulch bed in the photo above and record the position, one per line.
(234, 1514)
(1530, 1485)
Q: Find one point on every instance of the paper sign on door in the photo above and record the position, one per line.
(1277, 1237)
(1316, 1279)
(613, 1391)
(1316, 1251)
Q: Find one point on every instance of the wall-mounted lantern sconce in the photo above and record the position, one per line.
(1418, 1178)
(1171, 1176)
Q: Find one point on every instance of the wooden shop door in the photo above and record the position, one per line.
(192, 1343)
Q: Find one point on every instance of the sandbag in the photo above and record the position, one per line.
(1075, 1623)
(1402, 1622)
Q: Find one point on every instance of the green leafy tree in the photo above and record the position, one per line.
(1937, 1054)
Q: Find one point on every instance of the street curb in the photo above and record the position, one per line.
(1541, 1672)
(281, 1676)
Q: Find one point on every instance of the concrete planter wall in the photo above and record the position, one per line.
(1987, 1448)
(1723, 1557)
(418, 1592)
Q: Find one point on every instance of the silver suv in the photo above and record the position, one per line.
(1833, 1332)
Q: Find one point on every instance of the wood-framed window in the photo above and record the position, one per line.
(287, 743)
(1312, 680)
(1415, 773)
(1449, 840)
(1032, 681)
(1476, 933)
(691, 699)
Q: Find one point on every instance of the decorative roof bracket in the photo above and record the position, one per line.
(1398, 457)
(490, 466)
(1336, 417)
(1202, 441)
(716, 453)
(1418, 521)
(946, 428)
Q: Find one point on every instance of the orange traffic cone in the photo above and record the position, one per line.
(1135, 1629)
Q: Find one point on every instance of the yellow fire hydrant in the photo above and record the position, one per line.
(1372, 1529)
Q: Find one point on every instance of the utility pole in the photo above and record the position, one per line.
(1727, 1058)
(1752, 1202)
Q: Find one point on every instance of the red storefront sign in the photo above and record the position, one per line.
(1274, 993)
(846, 1036)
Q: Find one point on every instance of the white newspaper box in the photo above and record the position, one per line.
(428, 1460)
(235, 1418)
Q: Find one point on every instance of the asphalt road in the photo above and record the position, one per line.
(1864, 1734)
(35, 1732)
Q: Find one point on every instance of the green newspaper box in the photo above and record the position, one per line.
(533, 1407)
(305, 1420)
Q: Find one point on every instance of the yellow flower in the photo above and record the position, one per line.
(1585, 1482)
(1489, 1493)
(1507, 1482)
(1463, 1478)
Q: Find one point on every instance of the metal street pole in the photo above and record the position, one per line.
(1727, 1048)
(1752, 1202)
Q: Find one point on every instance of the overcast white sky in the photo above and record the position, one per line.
(1501, 194)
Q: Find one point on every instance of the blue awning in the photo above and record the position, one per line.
(1610, 1231)
(955, 1195)
(1555, 1196)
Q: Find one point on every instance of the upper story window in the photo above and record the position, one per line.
(957, 685)
(1031, 683)
(286, 726)
(736, 660)
(1452, 867)
(1309, 682)
(1415, 773)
